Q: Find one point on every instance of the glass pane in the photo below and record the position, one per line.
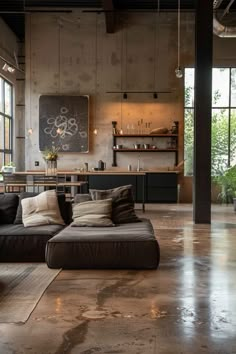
(233, 138)
(8, 99)
(188, 142)
(233, 87)
(189, 87)
(7, 159)
(1, 132)
(219, 143)
(1, 95)
(220, 87)
(1, 160)
(7, 133)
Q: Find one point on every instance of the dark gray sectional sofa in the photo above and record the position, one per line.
(19, 243)
(130, 245)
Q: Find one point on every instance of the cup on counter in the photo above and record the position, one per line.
(129, 168)
(137, 146)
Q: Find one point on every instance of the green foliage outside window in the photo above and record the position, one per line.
(223, 128)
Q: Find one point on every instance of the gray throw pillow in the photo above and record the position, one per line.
(93, 213)
(122, 203)
(80, 198)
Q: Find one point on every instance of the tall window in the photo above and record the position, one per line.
(6, 111)
(223, 120)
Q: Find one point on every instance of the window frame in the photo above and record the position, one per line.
(228, 108)
(7, 151)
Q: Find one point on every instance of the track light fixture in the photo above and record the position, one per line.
(6, 67)
(125, 96)
(155, 95)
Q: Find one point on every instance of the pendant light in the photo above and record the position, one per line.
(95, 131)
(156, 47)
(124, 96)
(30, 129)
(178, 70)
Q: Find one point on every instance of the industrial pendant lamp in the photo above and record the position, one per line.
(30, 129)
(95, 130)
(178, 70)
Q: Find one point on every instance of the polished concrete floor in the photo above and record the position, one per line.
(186, 306)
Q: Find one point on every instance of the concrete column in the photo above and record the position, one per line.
(202, 119)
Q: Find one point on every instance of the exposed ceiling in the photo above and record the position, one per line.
(13, 11)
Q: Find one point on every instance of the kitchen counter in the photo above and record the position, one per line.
(77, 172)
(119, 172)
(150, 186)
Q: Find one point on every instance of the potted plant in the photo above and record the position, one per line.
(227, 182)
(50, 156)
(9, 168)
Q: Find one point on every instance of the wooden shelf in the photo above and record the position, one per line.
(145, 135)
(145, 150)
(173, 137)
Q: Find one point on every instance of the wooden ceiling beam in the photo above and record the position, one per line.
(109, 11)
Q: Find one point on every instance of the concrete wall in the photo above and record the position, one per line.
(8, 45)
(62, 58)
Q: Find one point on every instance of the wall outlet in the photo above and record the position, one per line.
(36, 163)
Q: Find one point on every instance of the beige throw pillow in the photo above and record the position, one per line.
(93, 213)
(41, 210)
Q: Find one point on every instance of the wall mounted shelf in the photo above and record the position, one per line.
(153, 91)
(173, 137)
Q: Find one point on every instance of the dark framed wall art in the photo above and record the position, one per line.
(64, 123)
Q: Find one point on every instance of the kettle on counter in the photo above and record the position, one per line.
(101, 165)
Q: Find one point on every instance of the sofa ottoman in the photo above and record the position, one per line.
(124, 246)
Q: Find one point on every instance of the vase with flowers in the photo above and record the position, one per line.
(50, 156)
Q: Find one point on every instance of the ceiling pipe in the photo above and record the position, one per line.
(219, 29)
(222, 30)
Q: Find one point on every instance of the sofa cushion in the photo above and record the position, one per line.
(93, 213)
(8, 207)
(20, 244)
(122, 203)
(125, 246)
(65, 207)
(42, 209)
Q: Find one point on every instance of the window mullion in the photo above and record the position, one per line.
(229, 121)
(4, 118)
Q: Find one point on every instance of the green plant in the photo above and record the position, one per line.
(51, 154)
(12, 164)
(227, 182)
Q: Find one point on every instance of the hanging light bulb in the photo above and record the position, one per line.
(95, 132)
(59, 131)
(178, 70)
